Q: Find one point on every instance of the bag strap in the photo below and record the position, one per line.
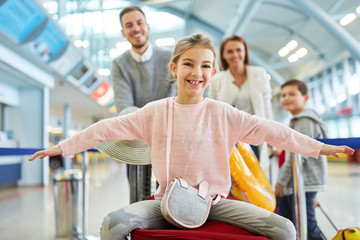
(169, 136)
(204, 186)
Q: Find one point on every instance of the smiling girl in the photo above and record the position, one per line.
(203, 135)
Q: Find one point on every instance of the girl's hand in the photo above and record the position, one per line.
(334, 150)
(52, 151)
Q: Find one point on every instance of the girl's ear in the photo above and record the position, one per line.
(214, 72)
(173, 69)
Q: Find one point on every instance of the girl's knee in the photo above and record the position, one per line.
(118, 224)
(115, 227)
(289, 232)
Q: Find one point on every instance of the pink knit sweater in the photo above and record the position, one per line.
(203, 137)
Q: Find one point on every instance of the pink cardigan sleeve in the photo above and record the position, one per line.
(282, 137)
(127, 127)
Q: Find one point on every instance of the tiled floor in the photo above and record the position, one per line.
(29, 213)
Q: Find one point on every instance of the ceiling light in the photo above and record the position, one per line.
(85, 43)
(114, 52)
(301, 52)
(341, 97)
(283, 52)
(293, 58)
(291, 45)
(51, 7)
(123, 45)
(358, 9)
(104, 72)
(78, 43)
(347, 19)
(165, 42)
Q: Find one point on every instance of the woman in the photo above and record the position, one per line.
(241, 85)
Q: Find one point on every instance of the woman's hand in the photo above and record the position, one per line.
(279, 190)
(52, 151)
(334, 150)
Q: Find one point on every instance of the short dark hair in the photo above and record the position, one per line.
(130, 9)
(224, 64)
(295, 82)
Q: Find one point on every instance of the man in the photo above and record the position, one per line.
(139, 76)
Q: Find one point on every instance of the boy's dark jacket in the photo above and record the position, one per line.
(309, 123)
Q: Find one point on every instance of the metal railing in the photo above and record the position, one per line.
(299, 197)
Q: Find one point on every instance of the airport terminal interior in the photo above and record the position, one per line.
(56, 79)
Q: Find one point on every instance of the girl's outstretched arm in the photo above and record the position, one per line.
(52, 151)
(334, 150)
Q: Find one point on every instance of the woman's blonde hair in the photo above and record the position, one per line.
(191, 41)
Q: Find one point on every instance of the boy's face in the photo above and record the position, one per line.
(292, 100)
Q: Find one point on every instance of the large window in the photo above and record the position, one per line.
(336, 96)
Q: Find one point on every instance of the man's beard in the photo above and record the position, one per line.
(138, 46)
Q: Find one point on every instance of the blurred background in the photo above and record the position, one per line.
(55, 72)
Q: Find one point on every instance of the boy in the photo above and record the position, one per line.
(293, 98)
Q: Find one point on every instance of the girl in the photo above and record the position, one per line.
(203, 135)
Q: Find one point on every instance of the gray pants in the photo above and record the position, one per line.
(147, 215)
